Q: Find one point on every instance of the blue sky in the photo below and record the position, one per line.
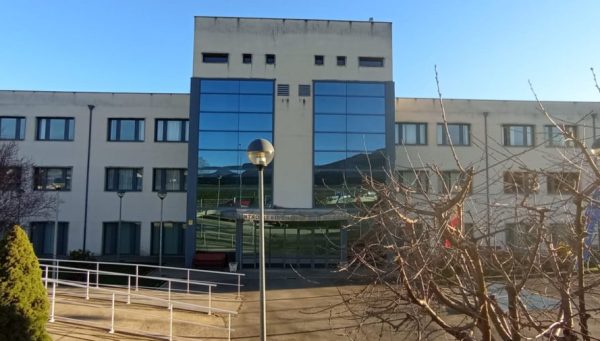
(483, 49)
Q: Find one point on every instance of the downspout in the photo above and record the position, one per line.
(594, 115)
(487, 176)
(87, 177)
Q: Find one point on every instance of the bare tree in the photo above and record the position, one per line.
(18, 200)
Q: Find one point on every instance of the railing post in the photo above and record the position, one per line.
(169, 291)
(97, 273)
(53, 301)
(129, 289)
(188, 281)
(239, 286)
(137, 273)
(228, 326)
(112, 316)
(209, 300)
(171, 322)
(87, 286)
(46, 277)
(57, 269)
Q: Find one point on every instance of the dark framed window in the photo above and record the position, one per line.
(41, 234)
(55, 129)
(172, 239)
(124, 179)
(270, 59)
(409, 133)
(303, 90)
(215, 58)
(370, 61)
(171, 130)
(556, 138)
(519, 236)
(46, 178)
(520, 182)
(12, 128)
(561, 183)
(341, 60)
(460, 134)
(247, 58)
(319, 60)
(127, 240)
(11, 178)
(126, 129)
(518, 135)
(451, 181)
(418, 180)
(169, 179)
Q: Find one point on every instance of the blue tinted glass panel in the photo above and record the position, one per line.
(256, 122)
(330, 141)
(218, 121)
(246, 138)
(256, 87)
(326, 88)
(210, 161)
(366, 142)
(212, 102)
(366, 105)
(218, 140)
(57, 129)
(256, 103)
(219, 86)
(332, 105)
(366, 124)
(330, 123)
(366, 89)
(127, 130)
(330, 159)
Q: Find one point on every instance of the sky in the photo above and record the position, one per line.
(482, 49)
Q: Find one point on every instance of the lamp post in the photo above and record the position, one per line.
(57, 189)
(161, 195)
(260, 153)
(120, 194)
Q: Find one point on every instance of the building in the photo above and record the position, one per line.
(321, 91)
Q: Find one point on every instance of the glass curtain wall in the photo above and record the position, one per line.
(232, 113)
(349, 140)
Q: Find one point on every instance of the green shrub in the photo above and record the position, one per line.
(23, 298)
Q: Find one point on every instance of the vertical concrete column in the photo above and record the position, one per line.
(239, 241)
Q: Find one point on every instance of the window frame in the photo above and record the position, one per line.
(518, 185)
(155, 237)
(67, 174)
(246, 58)
(68, 121)
(184, 130)
(460, 142)
(565, 144)
(15, 182)
(556, 182)
(270, 59)
(163, 179)
(117, 188)
(138, 128)
(506, 135)
(215, 58)
(445, 183)
(21, 127)
(364, 61)
(340, 61)
(319, 60)
(62, 245)
(134, 244)
(420, 176)
(398, 133)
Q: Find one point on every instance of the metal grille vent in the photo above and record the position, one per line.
(283, 89)
(304, 90)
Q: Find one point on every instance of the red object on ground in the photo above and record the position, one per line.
(210, 259)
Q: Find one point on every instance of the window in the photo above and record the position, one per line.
(127, 240)
(418, 180)
(247, 58)
(172, 238)
(126, 129)
(46, 178)
(370, 61)
(169, 179)
(10, 178)
(12, 128)
(519, 236)
(520, 182)
(270, 58)
(55, 129)
(168, 130)
(451, 181)
(557, 183)
(556, 138)
(459, 134)
(303, 90)
(41, 235)
(215, 58)
(124, 179)
(411, 133)
(319, 60)
(518, 135)
(341, 60)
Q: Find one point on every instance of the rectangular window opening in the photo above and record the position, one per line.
(12, 128)
(270, 59)
(319, 60)
(341, 60)
(458, 134)
(370, 61)
(49, 178)
(247, 58)
(123, 179)
(55, 129)
(518, 135)
(126, 129)
(171, 130)
(215, 58)
(408, 133)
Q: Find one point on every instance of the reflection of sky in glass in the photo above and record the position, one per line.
(57, 129)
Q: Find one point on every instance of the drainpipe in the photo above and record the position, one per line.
(487, 175)
(594, 115)
(87, 177)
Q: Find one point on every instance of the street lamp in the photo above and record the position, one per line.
(57, 188)
(161, 195)
(120, 194)
(260, 153)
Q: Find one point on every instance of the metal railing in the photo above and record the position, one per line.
(187, 272)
